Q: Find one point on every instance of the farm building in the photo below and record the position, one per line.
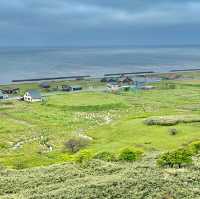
(33, 96)
(45, 85)
(109, 80)
(66, 88)
(76, 88)
(10, 91)
(3, 96)
(125, 80)
(113, 87)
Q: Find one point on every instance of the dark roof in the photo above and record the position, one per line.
(45, 84)
(125, 79)
(76, 86)
(35, 94)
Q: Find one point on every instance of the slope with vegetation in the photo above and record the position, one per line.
(141, 144)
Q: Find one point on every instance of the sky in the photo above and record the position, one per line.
(99, 22)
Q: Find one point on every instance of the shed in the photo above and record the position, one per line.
(125, 80)
(3, 96)
(66, 88)
(33, 96)
(45, 85)
(113, 87)
(76, 88)
(10, 90)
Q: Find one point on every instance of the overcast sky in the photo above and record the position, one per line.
(99, 22)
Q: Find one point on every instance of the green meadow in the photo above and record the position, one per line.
(33, 134)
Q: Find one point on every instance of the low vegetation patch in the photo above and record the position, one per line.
(106, 156)
(177, 158)
(76, 143)
(84, 156)
(129, 154)
(92, 108)
(194, 147)
(173, 131)
(172, 120)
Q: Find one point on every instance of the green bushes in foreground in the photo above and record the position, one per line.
(129, 154)
(106, 156)
(194, 147)
(178, 158)
(126, 154)
(83, 156)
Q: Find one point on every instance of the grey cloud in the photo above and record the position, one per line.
(53, 20)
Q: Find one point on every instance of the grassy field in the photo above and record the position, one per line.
(34, 162)
(113, 121)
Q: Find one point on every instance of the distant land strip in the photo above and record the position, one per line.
(132, 73)
(186, 70)
(51, 78)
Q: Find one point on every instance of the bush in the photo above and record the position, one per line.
(129, 154)
(19, 165)
(74, 144)
(195, 147)
(171, 120)
(173, 131)
(106, 156)
(83, 156)
(176, 158)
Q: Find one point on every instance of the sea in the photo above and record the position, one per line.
(38, 62)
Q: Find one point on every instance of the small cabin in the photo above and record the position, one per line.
(125, 80)
(33, 96)
(45, 85)
(113, 87)
(76, 88)
(66, 88)
(3, 96)
(10, 91)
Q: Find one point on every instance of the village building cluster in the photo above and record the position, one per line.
(114, 84)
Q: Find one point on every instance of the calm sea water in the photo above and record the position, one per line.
(20, 63)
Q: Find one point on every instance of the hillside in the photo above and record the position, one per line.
(98, 179)
(36, 163)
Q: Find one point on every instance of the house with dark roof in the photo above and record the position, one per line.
(66, 88)
(33, 96)
(45, 85)
(76, 88)
(3, 96)
(125, 80)
(10, 91)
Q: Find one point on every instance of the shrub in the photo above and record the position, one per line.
(178, 158)
(83, 156)
(172, 120)
(129, 154)
(106, 156)
(19, 165)
(74, 144)
(195, 147)
(173, 131)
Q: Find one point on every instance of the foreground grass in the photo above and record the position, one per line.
(97, 179)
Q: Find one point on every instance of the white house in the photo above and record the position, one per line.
(33, 96)
(113, 87)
